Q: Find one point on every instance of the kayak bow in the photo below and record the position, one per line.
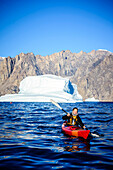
(75, 131)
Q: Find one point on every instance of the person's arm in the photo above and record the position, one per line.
(66, 117)
(80, 122)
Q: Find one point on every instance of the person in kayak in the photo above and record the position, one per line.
(74, 118)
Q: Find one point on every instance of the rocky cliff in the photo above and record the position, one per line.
(1, 59)
(92, 72)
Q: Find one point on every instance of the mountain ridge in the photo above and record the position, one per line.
(79, 67)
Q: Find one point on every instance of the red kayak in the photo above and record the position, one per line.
(75, 131)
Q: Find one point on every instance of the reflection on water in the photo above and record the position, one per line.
(78, 146)
(31, 137)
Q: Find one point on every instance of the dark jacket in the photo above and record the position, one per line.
(77, 120)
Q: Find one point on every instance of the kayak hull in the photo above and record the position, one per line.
(75, 131)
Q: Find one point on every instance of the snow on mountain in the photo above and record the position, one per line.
(2, 57)
(104, 50)
(43, 88)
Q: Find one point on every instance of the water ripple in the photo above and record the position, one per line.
(31, 137)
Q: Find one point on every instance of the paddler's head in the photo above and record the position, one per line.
(75, 111)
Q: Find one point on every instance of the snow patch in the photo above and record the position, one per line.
(104, 50)
(2, 57)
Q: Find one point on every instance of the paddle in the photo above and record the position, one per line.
(56, 104)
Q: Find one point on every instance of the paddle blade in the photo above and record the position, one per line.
(95, 135)
(56, 104)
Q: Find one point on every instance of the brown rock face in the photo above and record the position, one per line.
(92, 72)
(98, 82)
(1, 59)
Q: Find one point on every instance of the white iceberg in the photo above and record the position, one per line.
(91, 100)
(43, 88)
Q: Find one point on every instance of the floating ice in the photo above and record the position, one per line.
(92, 100)
(43, 88)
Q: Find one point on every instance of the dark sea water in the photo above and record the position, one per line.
(31, 137)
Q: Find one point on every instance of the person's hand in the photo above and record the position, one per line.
(85, 128)
(68, 114)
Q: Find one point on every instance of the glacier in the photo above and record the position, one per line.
(42, 88)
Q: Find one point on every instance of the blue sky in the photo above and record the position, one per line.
(48, 26)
